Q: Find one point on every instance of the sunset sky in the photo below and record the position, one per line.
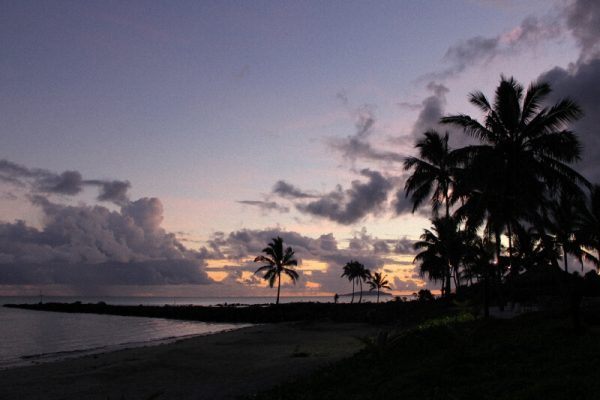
(154, 148)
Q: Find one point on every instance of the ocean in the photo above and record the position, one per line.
(30, 337)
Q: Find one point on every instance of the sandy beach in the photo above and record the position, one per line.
(219, 366)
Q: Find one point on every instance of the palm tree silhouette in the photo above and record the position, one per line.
(443, 248)
(433, 171)
(524, 154)
(589, 225)
(377, 281)
(278, 262)
(355, 272)
(563, 223)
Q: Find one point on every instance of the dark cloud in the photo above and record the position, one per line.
(287, 190)
(112, 191)
(265, 206)
(432, 109)
(68, 183)
(152, 272)
(581, 82)
(583, 19)
(351, 205)
(85, 245)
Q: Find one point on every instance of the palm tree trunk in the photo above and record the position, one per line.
(509, 246)
(360, 294)
(566, 263)
(377, 295)
(352, 301)
(278, 288)
(448, 281)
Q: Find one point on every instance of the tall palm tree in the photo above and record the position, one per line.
(278, 262)
(377, 281)
(589, 225)
(357, 274)
(432, 172)
(350, 271)
(524, 153)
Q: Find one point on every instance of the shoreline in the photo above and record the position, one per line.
(221, 365)
(47, 358)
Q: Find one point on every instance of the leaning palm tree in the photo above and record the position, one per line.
(278, 262)
(525, 152)
(432, 172)
(377, 281)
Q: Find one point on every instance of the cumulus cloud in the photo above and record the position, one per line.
(78, 243)
(87, 245)
(351, 205)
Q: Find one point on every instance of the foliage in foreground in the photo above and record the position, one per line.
(531, 357)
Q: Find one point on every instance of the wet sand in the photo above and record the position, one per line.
(219, 366)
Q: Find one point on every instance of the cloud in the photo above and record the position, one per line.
(93, 234)
(265, 206)
(152, 272)
(580, 82)
(432, 109)
(583, 20)
(351, 205)
(480, 50)
(87, 245)
(357, 145)
(373, 252)
(290, 191)
(112, 191)
(67, 183)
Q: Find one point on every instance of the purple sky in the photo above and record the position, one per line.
(156, 147)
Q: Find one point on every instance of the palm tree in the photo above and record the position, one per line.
(356, 273)
(443, 250)
(589, 225)
(350, 272)
(563, 223)
(278, 261)
(433, 171)
(524, 153)
(377, 281)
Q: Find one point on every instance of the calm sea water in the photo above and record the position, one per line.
(30, 337)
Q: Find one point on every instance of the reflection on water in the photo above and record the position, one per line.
(36, 336)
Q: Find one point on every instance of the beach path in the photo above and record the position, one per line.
(219, 366)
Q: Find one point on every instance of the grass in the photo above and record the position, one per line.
(530, 357)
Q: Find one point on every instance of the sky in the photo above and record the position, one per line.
(155, 148)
